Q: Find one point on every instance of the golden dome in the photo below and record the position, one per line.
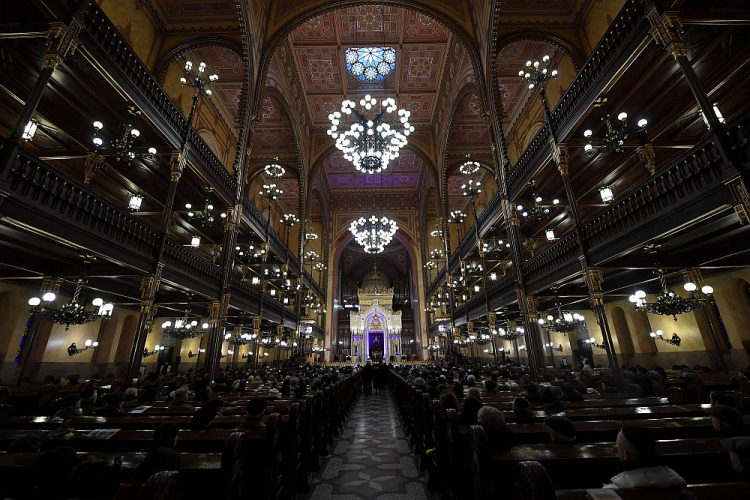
(375, 282)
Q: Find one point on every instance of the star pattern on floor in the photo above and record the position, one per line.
(371, 458)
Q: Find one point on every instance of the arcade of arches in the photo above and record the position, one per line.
(211, 218)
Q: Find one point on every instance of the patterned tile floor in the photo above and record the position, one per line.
(371, 458)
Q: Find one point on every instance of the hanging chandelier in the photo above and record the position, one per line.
(615, 136)
(72, 313)
(206, 215)
(494, 246)
(658, 334)
(539, 210)
(667, 302)
(270, 191)
(239, 336)
(509, 333)
(564, 322)
(369, 136)
(457, 217)
(471, 188)
(290, 220)
(374, 233)
(184, 327)
(122, 147)
(274, 170)
(469, 167)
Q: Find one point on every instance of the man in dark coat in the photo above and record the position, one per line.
(367, 376)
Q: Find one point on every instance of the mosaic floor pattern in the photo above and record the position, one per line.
(371, 458)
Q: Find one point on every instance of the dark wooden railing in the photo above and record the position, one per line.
(202, 274)
(553, 258)
(44, 198)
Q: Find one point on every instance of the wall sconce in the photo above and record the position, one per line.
(592, 342)
(550, 235)
(658, 334)
(552, 346)
(135, 202)
(73, 349)
(192, 354)
(247, 355)
(607, 194)
(29, 130)
(157, 348)
(521, 347)
(265, 354)
(195, 241)
(493, 276)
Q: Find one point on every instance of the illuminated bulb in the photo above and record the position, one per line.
(690, 286)
(49, 297)
(707, 289)
(642, 123)
(622, 116)
(97, 302)
(35, 301)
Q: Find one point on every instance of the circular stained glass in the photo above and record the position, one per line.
(370, 64)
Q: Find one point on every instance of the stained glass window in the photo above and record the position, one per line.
(370, 64)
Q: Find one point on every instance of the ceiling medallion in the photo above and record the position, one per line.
(373, 233)
(370, 64)
(370, 141)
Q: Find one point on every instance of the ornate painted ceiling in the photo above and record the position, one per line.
(421, 50)
(404, 173)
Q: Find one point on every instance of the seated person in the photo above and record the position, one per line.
(470, 411)
(636, 448)
(113, 404)
(448, 400)
(458, 390)
(532, 393)
(165, 436)
(551, 402)
(739, 454)
(560, 429)
(493, 422)
(180, 398)
(203, 417)
(159, 460)
(727, 421)
(254, 410)
(71, 406)
(88, 400)
(570, 393)
(490, 386)
(524, 412)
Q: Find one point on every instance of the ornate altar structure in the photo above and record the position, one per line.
(375, 329)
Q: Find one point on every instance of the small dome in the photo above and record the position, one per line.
(375, 282)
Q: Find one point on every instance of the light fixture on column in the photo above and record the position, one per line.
(206, 215)
(73, 349)
(289, 220)
(373, 233)
(615, 135)
(157, 349)
(718, 114)
(122, 147)
(456, 217)
(667, 302)
(537, 72)
(539, 210)
(274, 170)
(592, 342)
(550, 234)
(311, 255)
(469, 167)
(271, 192)
(471, 188)
(134, 204)
(369, 137)
(72, 313)
(192, 354)
(198, 79)
(607, 194)
(195, 241)
(564, 322)
(29, 130)
(436, 254)
(552, 347)
(658, 334)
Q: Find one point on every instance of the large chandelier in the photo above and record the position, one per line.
(184, 327)
(368, 136)
(667, 302)
(72, 313)
(564, 322)
(274, 170)
(539, 210)
(373, 233)
(469, 167)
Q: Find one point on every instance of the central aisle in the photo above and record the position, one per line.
(371, 458)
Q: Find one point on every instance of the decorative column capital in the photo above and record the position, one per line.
(647, 155)
(510, 212)
(93, 162)
(61, 41)
(594, 279)
(667, 30)
(177, 162)
(693, 275)
(561, 155)
(741, 196)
